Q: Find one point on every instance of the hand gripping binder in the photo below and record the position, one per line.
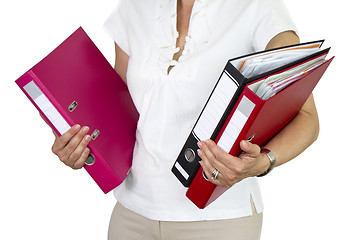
(247, 115)
(265, 119)
(218, 106)
(75, 84)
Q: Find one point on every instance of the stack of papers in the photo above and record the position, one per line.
(275, 83)
(267, 61)
(264, 63)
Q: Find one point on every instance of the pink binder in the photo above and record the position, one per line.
(75, 84)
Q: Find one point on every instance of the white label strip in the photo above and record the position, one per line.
(236, 124)
(181, 170)
(215, 108)
(46, 107)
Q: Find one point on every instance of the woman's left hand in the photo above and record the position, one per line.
(231, 169)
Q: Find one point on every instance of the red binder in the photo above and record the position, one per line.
(76, 84)
(226, 93)
(265, 118)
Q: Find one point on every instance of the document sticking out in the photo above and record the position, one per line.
(262, 63)
(274, 84)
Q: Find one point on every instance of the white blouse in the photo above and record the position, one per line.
(169, 104)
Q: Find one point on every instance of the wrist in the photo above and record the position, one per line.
(269, 161)
(263, 164)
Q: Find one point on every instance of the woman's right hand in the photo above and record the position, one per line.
(71, 147)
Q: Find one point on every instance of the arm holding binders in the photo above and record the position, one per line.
(225, 94)
(259, 119)
(267, 118)
(74, 85)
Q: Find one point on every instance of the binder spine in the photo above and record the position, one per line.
(208, 124)
(235, 126)
(102, 174)
(53, 113)
(200, 190)
(34, 90)
(187, 163)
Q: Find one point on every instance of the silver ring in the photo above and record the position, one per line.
(214, 174)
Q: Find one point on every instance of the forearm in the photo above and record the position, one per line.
(299, 134)
(303, 130)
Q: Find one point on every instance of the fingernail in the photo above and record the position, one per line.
(86, 129)
(77, 127)
(87, 150)
(199, 152)
(200, 145)
(87, 138)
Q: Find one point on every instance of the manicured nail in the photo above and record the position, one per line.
(86, 129)
(87, 138)
(77, 127)
(200, 145)
(200, 153)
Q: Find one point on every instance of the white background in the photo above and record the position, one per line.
(316, 196)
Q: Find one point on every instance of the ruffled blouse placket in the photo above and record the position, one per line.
(198, 32)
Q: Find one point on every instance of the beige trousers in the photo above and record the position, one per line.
(127, 225)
